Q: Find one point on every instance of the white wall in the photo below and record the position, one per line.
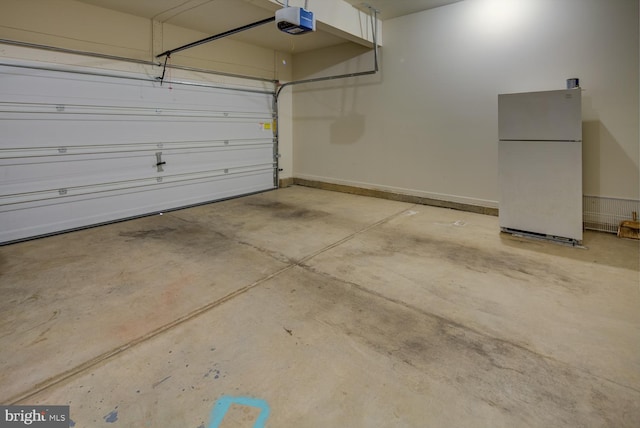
(427, 124)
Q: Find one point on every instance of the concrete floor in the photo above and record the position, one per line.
(333, 310)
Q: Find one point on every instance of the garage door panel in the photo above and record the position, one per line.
(63, 191)
(136, 91)
(77, 150)
(86, 210)
(65, 170)
(21, 154)
(83, 131)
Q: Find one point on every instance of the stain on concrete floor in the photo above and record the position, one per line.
(525, 384)
(283, 210)
(392, 242)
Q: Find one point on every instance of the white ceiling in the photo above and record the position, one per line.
(217, 16)
(394, 8)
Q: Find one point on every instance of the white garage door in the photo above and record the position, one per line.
(79, 149)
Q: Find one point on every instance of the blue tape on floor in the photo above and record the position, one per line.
(224, 403)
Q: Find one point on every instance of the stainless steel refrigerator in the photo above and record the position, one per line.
(540, 164)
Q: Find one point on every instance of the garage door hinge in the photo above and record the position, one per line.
(159, 162)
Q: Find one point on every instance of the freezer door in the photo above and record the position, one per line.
(541, 187)
(540, 116)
